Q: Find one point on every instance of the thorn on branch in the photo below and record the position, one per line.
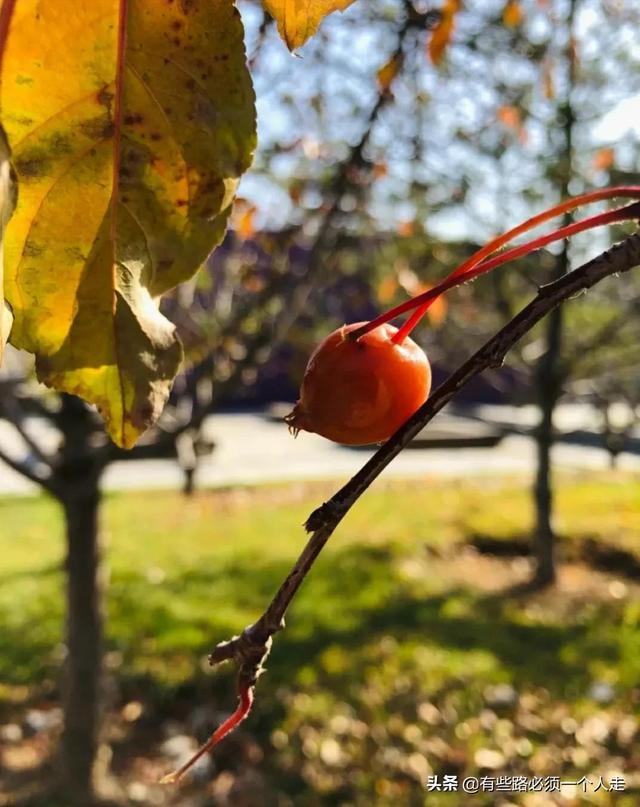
(249, 651)
(329, 513)
(496, 357)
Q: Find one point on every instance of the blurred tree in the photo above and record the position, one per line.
(551, 131)
(231, 321)
(365, 142)
(519, 112)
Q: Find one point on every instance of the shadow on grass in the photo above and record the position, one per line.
(356, 597)
(589, 549)
(41, 573)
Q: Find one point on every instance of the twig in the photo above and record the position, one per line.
(250, 649)
(12, 412)
(601, 337)
(26, 469)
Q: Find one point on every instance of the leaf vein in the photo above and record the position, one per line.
(177, 65)
(44, 123)
(67, 169)
(167, 120)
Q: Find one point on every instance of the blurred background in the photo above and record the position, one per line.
(477, 612)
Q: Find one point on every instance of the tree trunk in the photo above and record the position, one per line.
(549, 377)
(548, 389)
(549, 371)
(83, 668)
(77, 477)
(187, 459)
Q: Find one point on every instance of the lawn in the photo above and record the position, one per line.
(404, 655)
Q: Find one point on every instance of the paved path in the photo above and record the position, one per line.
(253, 449)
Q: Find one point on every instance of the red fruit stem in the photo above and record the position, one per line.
(623, 191)
(244, 707)
(455, 279)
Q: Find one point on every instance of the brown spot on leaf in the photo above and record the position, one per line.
(145, 414)
(35, 162)
(105, 97)
(32, 249)
(98, 128)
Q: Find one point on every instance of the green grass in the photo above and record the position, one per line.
(390, 620)
(186, 573)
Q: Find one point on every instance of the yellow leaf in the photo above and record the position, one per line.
(548, 88)
(380, 170)
(130, 123)
(603, 159)
(8, 193)
(437, 311)
(443, 31)
(295, 192)
(512, 15)
(387, 289)
(388, 72)
(509, 116)
(243, 224)
(412, 284)
(298, 20)
(406, 228)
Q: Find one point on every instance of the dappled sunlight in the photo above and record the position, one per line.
(405, 652)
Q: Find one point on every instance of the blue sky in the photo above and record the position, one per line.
(339, 67)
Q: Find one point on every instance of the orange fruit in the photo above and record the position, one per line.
(360, 392)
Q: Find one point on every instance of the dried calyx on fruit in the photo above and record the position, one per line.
(359, 391)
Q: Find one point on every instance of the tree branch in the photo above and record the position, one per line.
(250, 649)
(26, 469)
(601, 337)
(13, 413)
